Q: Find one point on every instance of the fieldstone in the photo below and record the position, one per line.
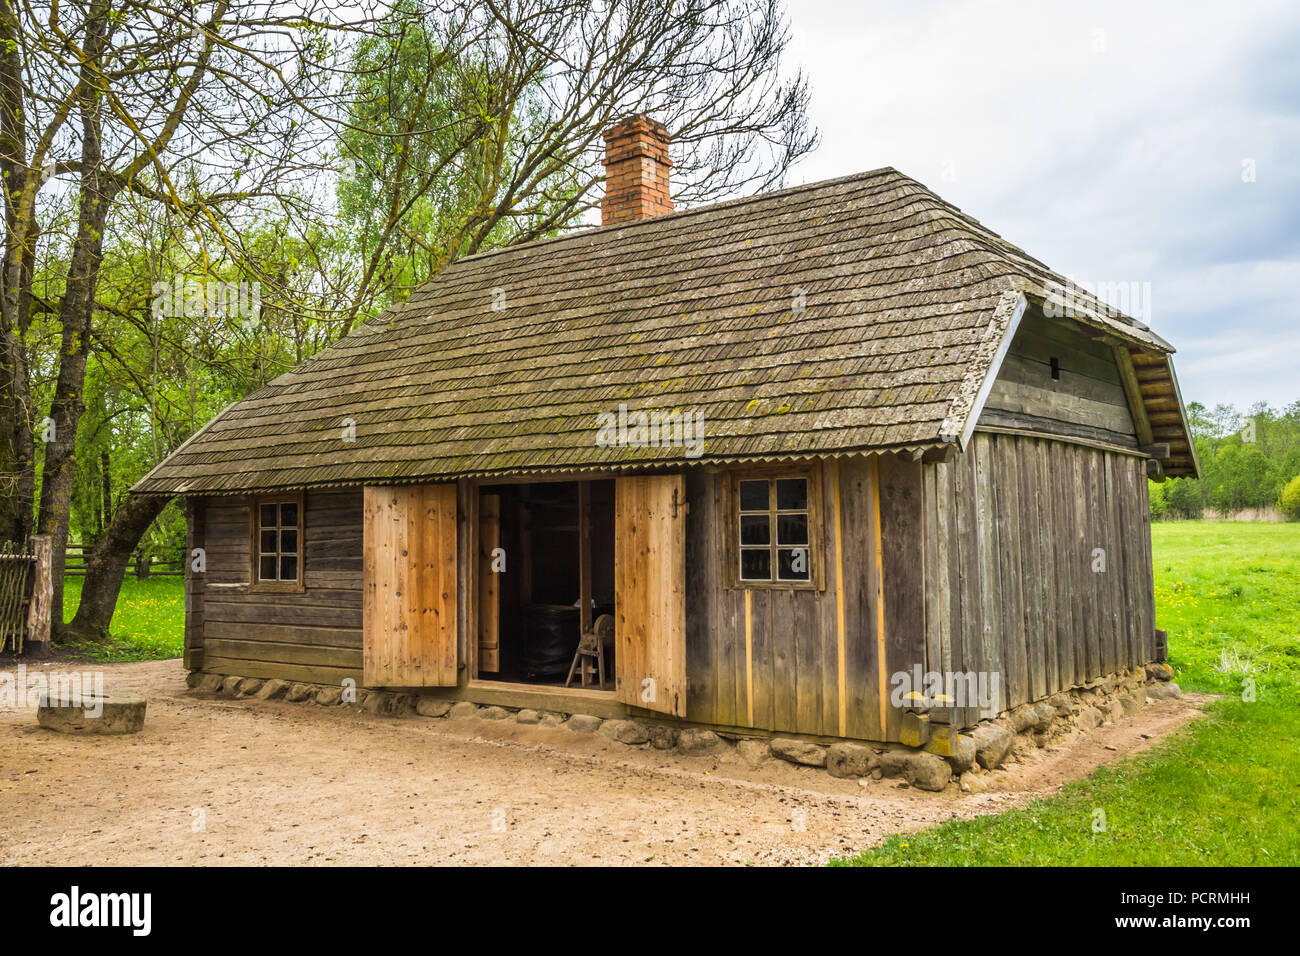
(583, 723)
(432, 707)
(273, 689)
(401, 705)
(1113, 711)
(631, 732)
(610, 728)
(250, 686)
(1131, 703)
(375, 702)
(920, 769)
(753, 752)
(693, 742)
(329, 696)
(799, 751)
(193, 678)
(528, 716)
(850, 760)
(992, 744)
(663, 736)
(299, 692)
(211, 683)
(1088, 718)
(1160, 672)
(971, 783)
(1019, 719)
(494, 713)
(1063, 704)
(463, 708)
(109, 713)
(962, 757)
(549, 720)
(230, 686)
(1046, 714)
(1169, 691)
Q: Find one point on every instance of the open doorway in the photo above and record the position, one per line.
(546, 549)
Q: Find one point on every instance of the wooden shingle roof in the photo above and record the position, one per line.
(855, 314)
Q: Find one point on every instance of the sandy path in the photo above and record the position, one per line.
(273, 782)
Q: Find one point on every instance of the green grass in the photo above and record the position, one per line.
(1225, 790)
(148, 623)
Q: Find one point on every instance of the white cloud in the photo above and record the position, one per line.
(1106, 139)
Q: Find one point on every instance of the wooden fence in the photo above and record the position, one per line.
(26, 594)
(142, 565)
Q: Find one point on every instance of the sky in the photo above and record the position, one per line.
(1144, 142)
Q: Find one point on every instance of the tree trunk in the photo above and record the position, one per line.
(106, 565)
(76, 312)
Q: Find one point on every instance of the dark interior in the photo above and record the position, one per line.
(538, 608)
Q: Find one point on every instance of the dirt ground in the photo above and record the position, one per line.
(214, 781)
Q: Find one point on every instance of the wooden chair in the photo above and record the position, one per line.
(591, 645)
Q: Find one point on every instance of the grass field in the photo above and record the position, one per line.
(148, 624)
(1225, 791)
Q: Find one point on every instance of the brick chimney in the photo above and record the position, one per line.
(636, 171)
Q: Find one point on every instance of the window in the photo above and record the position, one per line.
(774, 532)
(277, 542)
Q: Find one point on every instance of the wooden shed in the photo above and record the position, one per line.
(795, 447)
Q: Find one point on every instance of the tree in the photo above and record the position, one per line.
(1289, 501)
(333, 158)
(110, 99)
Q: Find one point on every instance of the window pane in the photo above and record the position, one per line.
(289, 514)
(792, 494)
(289, 541)
(755, 564)
(266, 571)
(753, 496)
(791, 529)
(793, 564)
(288, 568)
(267, 516)
(755, 529)
(268, 542)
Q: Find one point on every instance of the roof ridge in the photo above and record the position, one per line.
(678, 214)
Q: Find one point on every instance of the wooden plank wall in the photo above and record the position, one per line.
(1011, 528)
(411, 597)
(313, 636)
(194, 584)
(649, 599)
(769, 659)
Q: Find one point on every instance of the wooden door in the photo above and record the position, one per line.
(489, 589)
(650, 592)
(409, 580)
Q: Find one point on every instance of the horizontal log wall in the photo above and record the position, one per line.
(1087, 398)
(1013, 528)
(310, 636)
(770, 659)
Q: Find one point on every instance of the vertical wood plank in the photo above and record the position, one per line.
(649, 591)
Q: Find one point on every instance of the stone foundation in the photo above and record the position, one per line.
(947, 755)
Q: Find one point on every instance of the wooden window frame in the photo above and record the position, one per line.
(812, 473)
(255, 503)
